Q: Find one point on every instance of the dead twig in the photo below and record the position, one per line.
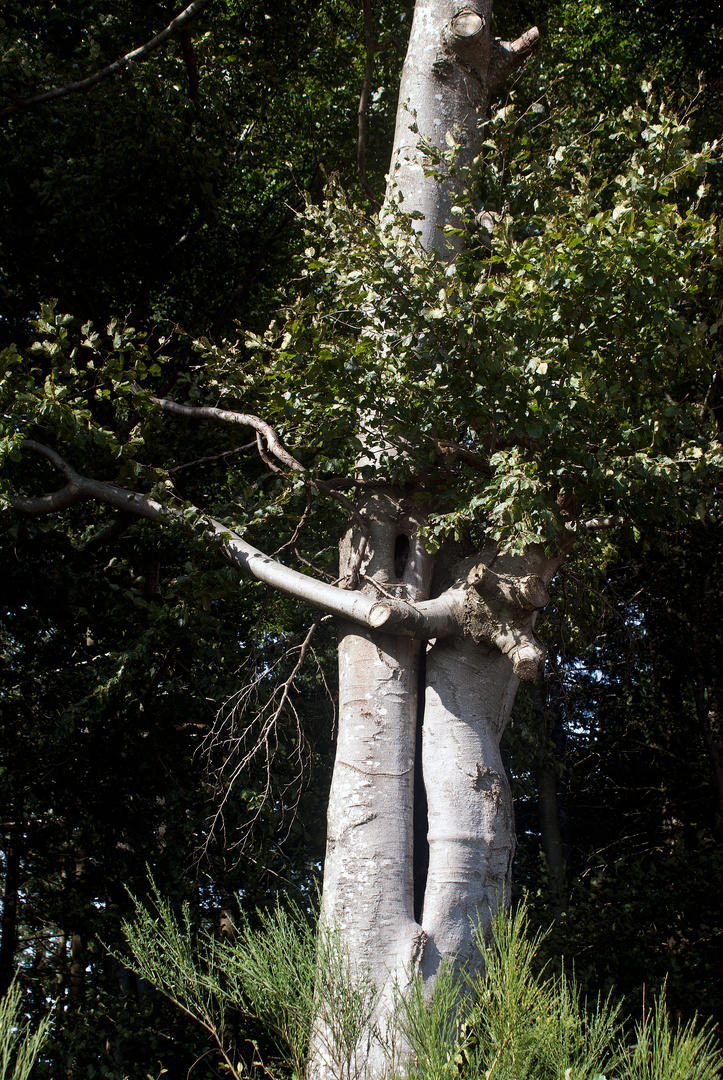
(246, 732)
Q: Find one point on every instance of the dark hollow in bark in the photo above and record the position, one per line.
(401, 554)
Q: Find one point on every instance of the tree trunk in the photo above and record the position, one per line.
(11, 893)
(468, 687)
(464, 842)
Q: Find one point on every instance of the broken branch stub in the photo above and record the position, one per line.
(500, 610)
(467, 27)
(526, 593)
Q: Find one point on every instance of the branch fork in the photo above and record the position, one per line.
(498, 609)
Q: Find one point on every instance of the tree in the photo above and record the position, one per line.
(635, 768)
(478, 408)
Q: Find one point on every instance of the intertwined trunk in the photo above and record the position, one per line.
(467, 685)
(458, 682)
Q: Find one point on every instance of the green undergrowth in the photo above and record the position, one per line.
(19, 1043)
(256, 996)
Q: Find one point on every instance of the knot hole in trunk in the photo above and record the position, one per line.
(401, 555)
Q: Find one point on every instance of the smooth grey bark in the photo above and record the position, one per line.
(471, 671)
(472, 613)
(368, 892)
(469, 687)
(451, 68)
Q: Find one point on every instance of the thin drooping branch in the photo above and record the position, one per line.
(210, 412)
(265, 457)
(175, 27)
(247, 731)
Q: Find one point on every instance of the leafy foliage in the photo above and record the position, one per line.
(570, 371)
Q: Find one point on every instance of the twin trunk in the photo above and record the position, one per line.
(418, 858)
(419, 853)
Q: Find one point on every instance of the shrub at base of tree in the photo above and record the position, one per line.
(293, 981)
(19, 1044)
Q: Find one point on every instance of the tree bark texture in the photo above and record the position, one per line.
(478, 643)
(452, 65)
(468, 686)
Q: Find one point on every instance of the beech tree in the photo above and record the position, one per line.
(519, 355)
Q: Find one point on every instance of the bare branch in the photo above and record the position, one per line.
(503, 615)
(81, 489)
(432, 618)
(208, 458)
(256, 737)
(273, 442)
(297, 531)
(710, 406)
(316, 569)
(526, 593)
(133, 57)
(209, 412)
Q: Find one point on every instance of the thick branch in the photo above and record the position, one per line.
(503, 615)
(526, 593)
(506, 56)
(523, 649)
(142, 53)
(434, 618)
